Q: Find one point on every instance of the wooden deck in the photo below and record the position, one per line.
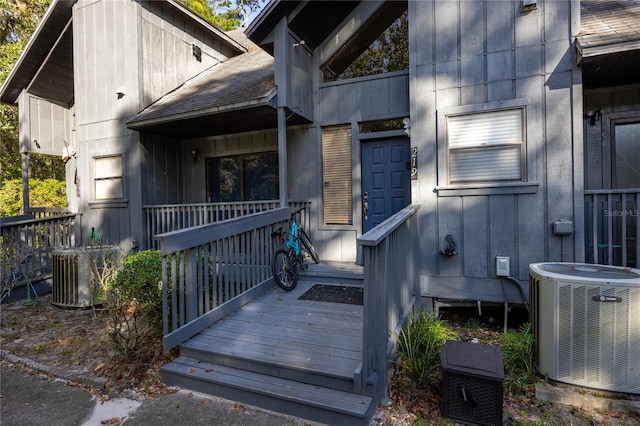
(285, 354)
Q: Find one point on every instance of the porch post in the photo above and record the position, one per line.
(282, 155)
(25, 182)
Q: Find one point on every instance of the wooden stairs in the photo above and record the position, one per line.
(293, 356)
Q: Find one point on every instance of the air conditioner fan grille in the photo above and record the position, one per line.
(589, 271)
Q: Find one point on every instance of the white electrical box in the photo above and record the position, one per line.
(502, 266)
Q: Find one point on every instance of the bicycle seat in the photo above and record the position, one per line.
(277, 232)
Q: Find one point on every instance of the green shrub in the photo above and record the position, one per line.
(420, 342)
(134, 303)
(517, 357)
(42, 193)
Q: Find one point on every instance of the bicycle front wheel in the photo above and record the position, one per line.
(308, 246)
(285, 270)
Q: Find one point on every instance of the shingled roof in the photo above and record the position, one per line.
(609, 42)
(614, 24)
(236, 95)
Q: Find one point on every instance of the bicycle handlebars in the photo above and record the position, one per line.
(298, 211)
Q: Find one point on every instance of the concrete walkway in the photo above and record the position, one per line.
(32, 398)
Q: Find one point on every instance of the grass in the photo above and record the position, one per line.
(41, 348)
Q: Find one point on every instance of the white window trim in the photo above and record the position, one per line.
(527, 183)
(107, 202)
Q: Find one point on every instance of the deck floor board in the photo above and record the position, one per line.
(279, 329)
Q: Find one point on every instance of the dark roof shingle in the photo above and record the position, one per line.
(238, 82)
(606, 22)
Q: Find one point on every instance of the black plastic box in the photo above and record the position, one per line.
(472, 376)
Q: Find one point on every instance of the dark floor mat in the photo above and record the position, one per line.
(334, 293)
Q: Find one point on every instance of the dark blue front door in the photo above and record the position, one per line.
(386, 179)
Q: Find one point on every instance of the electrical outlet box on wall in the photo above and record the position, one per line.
(502, 266)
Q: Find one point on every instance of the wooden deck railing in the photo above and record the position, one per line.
(27, 245)
(391, 290)
(210, 270)
(612, 227)
(173, 217)
(43, 212)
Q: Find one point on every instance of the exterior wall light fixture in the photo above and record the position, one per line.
(194, 154)
(593, 117)
(197, 52)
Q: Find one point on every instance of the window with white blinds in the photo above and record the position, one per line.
(486, 146)
(337, 179)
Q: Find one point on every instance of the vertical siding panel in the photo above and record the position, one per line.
(503, 230)
(446, 23)
(91, 33)
(103, 57)
(528, 27)
(472, 22)
(531, 234)
(499, 23)
(45, 124)
(558, 159)
(449, 218)
(79, 42)
(474, 235)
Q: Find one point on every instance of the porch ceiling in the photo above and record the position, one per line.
(45, 67)
(313, 22)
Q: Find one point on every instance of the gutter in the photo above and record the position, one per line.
(605, 49)
(267, 100)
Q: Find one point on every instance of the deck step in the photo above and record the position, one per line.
(225, 355)
(334, 272)
(307, 401)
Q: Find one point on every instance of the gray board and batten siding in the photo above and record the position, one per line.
(143, 50)
(474, 56)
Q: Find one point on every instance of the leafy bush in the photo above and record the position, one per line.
(420, 342)
(134, 302)
(517, 357)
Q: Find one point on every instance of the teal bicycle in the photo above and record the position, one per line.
(287, 262)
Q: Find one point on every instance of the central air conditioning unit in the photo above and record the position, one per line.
(72, 286)
(586, 321)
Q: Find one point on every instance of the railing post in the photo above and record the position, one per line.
(191, 284)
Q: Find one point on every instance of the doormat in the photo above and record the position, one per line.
(334, 293)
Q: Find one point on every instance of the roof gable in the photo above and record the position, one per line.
(48, 57)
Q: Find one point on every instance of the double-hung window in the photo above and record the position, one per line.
(486, 147)
(108, 178)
